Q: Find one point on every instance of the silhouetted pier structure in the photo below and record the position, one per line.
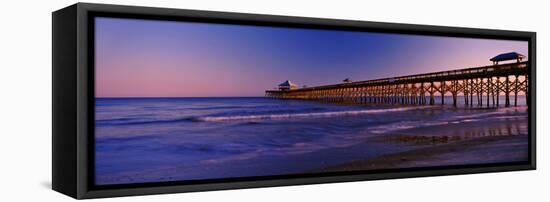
(479, 85)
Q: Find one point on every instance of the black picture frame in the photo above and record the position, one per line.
(73, 99)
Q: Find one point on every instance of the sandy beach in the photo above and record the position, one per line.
(463, 144)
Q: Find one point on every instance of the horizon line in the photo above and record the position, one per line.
(181, 97)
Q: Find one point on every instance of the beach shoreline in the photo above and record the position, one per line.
(467, 152)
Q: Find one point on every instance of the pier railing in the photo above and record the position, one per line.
(473, 84)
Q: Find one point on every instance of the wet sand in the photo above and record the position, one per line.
(459, 144)
(475, 151)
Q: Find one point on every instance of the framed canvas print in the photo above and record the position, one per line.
(154, 100)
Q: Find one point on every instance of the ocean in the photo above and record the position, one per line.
(170, 139)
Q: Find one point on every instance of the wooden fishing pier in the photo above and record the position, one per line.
(479, 86)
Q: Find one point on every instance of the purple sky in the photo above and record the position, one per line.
(149, 58)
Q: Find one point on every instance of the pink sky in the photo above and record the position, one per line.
(146, 58)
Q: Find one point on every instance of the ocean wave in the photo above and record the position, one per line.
(114, 120)
(266, 110)
(499, 111)
(306, 115)
(296, 114)
(145, 122)
(212, 117)
(220, 107)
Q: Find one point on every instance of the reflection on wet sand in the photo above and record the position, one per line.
(505, 140)
(514, 128)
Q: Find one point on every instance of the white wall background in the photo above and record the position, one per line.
(25, 99)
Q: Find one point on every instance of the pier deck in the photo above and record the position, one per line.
(474, 84)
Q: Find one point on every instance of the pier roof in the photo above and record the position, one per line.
(287, 83)
(507, 56)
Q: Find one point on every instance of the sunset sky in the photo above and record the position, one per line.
(150, 58)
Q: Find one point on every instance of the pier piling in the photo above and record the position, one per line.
(483, 81)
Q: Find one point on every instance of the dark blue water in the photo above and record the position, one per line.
(165, 139)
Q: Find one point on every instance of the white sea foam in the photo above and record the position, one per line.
(307, 115)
